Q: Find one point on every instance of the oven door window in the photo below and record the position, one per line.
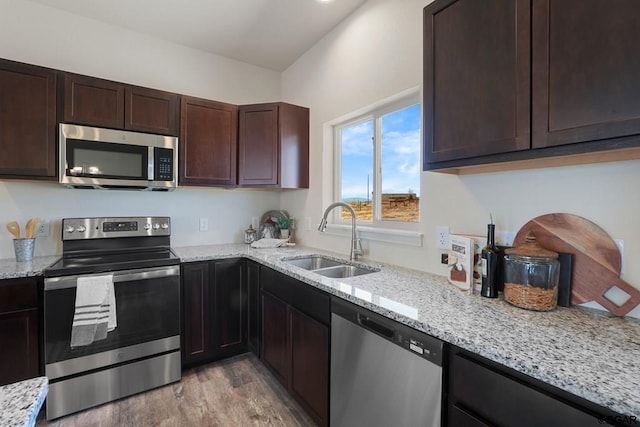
(107, 160)
(146, 310)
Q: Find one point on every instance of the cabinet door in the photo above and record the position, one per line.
(27, 121)
(93, 102)
(585, 70)
(154, 111)
(19, 355)
(253, 312)
(490, 395)
(208, 142)
(230, 308)
(18, 346)
(258, 145)
(196, 314)
(275, 336)
(476, 78)
(309, 381)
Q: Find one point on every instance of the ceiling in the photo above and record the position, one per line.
(267, 33)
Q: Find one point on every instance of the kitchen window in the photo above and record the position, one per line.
(377, 165)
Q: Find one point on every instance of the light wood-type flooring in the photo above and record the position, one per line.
(235, 392)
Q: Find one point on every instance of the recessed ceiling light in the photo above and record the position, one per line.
(324, 1)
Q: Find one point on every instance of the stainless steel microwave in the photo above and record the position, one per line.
(110, 159)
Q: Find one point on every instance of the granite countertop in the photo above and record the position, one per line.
(589, 354)
(20, 402)
(10, 269)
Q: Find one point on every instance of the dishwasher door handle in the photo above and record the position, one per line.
(372, 325)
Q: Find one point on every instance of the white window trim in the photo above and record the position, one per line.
(403, 233)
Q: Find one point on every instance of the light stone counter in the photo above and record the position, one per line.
(10, 269)
(589, 354)
(20, 402)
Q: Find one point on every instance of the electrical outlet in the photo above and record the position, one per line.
(505, 238)
(442, 237)
(204, 224)
(44, 229)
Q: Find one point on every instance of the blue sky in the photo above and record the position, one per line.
(400, 154)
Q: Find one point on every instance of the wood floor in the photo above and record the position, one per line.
(233, 392)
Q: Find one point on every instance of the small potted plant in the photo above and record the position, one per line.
(284, 224)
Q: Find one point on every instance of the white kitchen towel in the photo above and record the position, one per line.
(269, 243)
(95, 298)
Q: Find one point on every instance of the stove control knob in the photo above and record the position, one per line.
(81, 229)
(156, 226)
(69, 229)
(147, 226)
(164, 225)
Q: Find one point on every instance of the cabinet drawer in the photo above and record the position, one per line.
(303, 297)
(503, 400)
(18, 294)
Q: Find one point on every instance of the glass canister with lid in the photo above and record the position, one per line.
(531, 275)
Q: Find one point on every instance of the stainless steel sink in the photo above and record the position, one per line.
(330, 267)
(313, 262)
(343, 271)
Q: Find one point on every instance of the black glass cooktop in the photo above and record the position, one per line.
(105, 262)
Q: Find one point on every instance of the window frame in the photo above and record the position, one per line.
(376, 112)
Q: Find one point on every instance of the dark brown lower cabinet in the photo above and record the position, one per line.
(19, 320)
(230, 308)
(482, 393)
(252, 278)
(213, 310)
(295, 340)
(309, 373)
(274, 336)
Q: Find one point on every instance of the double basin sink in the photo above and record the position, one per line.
(330, 267)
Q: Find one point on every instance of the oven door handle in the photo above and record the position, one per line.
(53, 283)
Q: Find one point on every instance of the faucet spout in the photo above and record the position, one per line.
(356, 245)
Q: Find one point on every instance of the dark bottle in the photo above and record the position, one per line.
(490, 265)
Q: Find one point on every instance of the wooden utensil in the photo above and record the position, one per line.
(32, 227)
(596, 258)
(14, 228)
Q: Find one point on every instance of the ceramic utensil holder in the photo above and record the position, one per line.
(24, 249)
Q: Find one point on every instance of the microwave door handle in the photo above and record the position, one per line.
(150, 163)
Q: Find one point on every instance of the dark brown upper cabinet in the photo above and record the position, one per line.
(516, 83)
(273, 146)
(103, 103)
(27, 121)
(476, 74)
(208, 142)
(586, 63)
(150, 110)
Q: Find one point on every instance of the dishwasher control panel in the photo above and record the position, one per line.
(425, 347)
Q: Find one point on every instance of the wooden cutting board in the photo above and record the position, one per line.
(596, 258)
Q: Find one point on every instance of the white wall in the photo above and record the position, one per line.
(40, 35)
(377, 52)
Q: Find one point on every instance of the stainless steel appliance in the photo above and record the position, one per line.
(92, 157)
(382, 373)
(143, 351)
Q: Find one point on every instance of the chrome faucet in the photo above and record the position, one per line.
(356, 245)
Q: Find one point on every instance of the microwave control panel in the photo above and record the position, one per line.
(163, 164)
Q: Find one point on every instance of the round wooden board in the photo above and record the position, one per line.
(596, 258)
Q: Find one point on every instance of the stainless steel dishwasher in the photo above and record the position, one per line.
(383, 373)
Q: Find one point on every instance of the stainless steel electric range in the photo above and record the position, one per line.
(132, 258)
